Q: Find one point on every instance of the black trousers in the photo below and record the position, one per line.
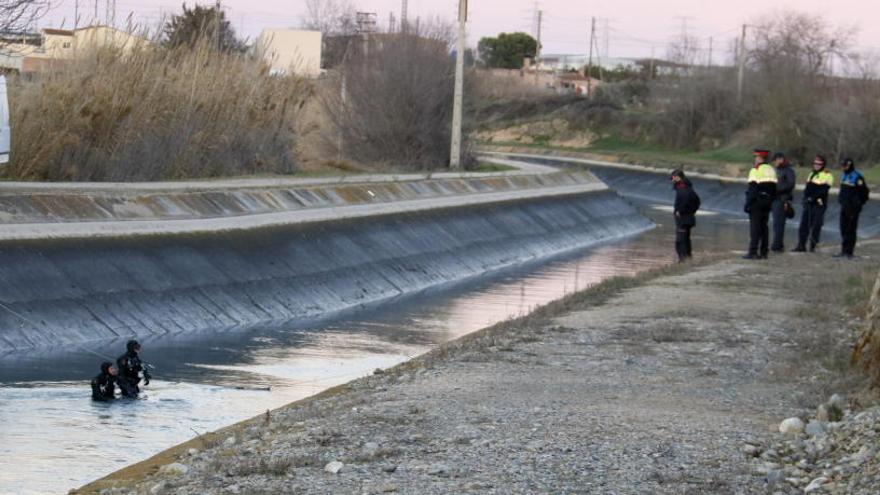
(849, 227)
(812, 219)
(778, 214)
(759, 231)
(683, 242)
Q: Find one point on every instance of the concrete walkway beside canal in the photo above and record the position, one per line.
(638, 386)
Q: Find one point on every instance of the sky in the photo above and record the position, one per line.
(624, 28)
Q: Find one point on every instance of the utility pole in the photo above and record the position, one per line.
(538, 49)
(95, 20)
(607, 36)
(455, 148)
(217, 37)
(651, 69)
(404, 24)
(75, 14)
(709, 64)
(742, 66)
(590, 59)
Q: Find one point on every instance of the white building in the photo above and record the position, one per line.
(291, 51)
(563, 62)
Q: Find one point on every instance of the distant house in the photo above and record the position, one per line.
(290, 51)
(562, 62)
(39, 52)
(576, 83)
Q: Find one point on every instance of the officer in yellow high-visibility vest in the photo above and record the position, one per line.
(815, 202)
(759, 202)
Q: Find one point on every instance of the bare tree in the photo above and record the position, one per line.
(791, 64)
(331, 17)
(19, 15)
(799, 42)
(684, 50)
(392, 102)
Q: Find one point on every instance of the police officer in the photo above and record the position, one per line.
(815, 202)
(130, 367)
(759, 200)
(686, 205)
(853, 195)
(782, 202)
(104, 385)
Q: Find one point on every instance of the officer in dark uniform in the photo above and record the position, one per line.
(130, 367)
(759, 200)
(687, 202)
(782, 202)
(815, 202)
(853, 195)
(104, 385)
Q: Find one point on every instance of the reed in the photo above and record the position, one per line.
(154, 113)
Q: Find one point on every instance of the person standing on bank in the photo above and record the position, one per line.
(781, 208)
(759, 200)
(687, 202)
(815, 202)
(853, 195)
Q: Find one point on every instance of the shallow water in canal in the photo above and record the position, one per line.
(53, 437)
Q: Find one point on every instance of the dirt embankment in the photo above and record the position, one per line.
(661, 384)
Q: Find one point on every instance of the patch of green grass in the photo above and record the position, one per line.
(717, 160)
(649, 152)
(542, 139)
(491, 167)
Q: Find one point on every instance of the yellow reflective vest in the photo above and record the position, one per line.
(821, 178)
(763, 174)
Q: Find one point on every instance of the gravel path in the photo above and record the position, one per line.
(650, 387)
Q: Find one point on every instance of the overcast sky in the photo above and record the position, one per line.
(631, 27)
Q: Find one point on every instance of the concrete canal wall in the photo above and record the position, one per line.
(243, 256)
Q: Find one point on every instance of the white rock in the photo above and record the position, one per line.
(174, 469)
(791, 426)
(229, 442)
(815, 428)
(334, 467)
(157, 488)
(193, 452)
(822, 413)
(837, 400)
(371, 448)
(816, 484)
(438, 469)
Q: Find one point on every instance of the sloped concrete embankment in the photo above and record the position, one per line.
(724, 195)
(77, 290)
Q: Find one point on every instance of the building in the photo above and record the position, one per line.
(38, 52)
(562, 63)
(575, 83)
(290, 51)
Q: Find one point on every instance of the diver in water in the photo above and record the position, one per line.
(104, 385)
(130, 367)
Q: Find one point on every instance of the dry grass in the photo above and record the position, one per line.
(153, 114)
(867, 349)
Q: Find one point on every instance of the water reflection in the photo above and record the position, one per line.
(52, 437)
